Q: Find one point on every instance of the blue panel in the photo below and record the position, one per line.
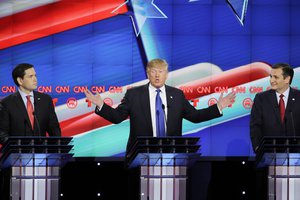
(271, 19)
(231, 138)
(112, 75)
(271, 49)
(189, 50)
(294, 17)
(295, 51)
(271, 2)
(226, 22)
(71, 48)
(36, 52)
(225, 48)
(192, 19)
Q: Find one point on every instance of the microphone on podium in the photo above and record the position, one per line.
(163, 107)
(293, 124)
(37, 124)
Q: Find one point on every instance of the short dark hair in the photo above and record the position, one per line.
(287, 70)
(19, 71)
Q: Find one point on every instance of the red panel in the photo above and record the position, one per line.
(54, 18)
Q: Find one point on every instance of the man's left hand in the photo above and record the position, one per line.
(224, 102)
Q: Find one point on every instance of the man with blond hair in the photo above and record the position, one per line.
(156, 109)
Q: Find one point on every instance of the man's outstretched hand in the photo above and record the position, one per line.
(95, 99)
(224, 102)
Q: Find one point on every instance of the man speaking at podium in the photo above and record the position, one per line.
(27, 112)
(156, 109)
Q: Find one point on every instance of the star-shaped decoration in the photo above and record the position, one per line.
(239, 7)
(140, 11)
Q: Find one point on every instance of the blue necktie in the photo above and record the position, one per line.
(160, 116)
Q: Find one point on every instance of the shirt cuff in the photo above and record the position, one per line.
(220, 111)
(99, 108)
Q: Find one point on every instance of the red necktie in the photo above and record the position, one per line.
(281, 107)
(30, 111)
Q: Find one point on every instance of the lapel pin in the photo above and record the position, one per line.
(171, 97)
(293, 99)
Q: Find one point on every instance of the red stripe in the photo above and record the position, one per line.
(54, 18)
(230, 78)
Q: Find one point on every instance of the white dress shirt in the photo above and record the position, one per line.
(152, 96)
(285, 98)
(24, 98)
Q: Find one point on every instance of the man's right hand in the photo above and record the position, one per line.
(95, 99)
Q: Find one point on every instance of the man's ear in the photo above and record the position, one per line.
(287, 79)
(20, 80)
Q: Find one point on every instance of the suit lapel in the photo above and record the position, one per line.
(291, 102)
(37, 106)
(21, 107)
(37, 103)
(274, 104)
(145, 103)
(169, 97)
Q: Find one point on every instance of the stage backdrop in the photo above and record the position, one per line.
(211, 46)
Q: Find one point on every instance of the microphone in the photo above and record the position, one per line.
(163, 107)
(37, 124)
(25, 127)
(293, 124)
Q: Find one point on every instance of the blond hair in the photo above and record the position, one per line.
(161, 63)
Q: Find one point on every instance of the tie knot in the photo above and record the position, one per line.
(28, 97)
(281, 96)
(158, 91)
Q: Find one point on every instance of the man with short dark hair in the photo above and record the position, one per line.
(276, 112)
(27, 112)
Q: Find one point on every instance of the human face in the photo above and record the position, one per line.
(157, 76)
(278, 82)
(29, 82)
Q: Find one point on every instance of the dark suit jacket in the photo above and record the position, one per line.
(14, 120)
(136, 105)
(265, 116)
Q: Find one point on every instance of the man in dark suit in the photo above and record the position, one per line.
(27, 112)
(139, 104)
(268, 118)
(155, 109)
(275, 112)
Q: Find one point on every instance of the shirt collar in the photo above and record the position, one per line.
(23, 95)
(153, 89)
(285, 93)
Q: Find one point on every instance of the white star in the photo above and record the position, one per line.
(140, 11)
(239, 7)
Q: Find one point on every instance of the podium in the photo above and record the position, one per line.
(32, 166)
(281, 155)
(163, 164)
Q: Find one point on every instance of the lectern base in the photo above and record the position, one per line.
(163, 182)
(283, 182)
(38, 183)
